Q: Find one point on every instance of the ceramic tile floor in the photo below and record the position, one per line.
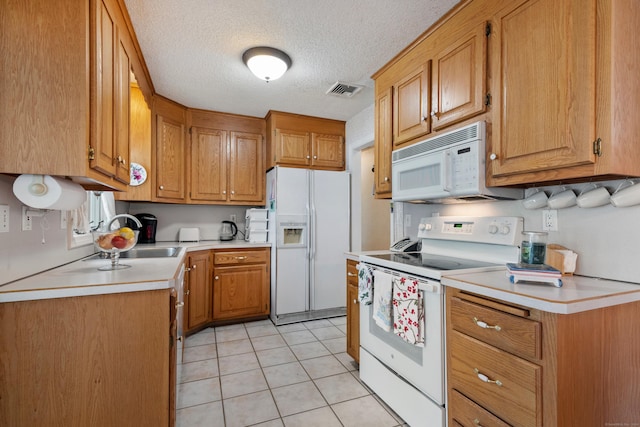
(257, 374)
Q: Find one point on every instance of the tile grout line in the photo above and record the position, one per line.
(280, 334)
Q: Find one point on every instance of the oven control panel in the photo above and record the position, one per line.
(500, 230)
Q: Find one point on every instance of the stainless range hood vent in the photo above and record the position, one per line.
(344, 90)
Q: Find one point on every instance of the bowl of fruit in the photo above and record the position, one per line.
(114, 242)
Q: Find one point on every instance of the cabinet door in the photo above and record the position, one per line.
(460, 79)
(353, 312)
(327, 151)
(208, 164)
(169, 159)
(240, 291)
(122, 110)
(198, 289)
(544, 116)
(246, 168)
(383, 144)
(293, 148)
(411, 105)
(104, 91)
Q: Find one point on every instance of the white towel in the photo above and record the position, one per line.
(408, 311)
(365, 284)
(382, 299)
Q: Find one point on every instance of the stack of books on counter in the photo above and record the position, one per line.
(536, 273)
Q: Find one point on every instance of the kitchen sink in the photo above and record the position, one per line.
(142, 253)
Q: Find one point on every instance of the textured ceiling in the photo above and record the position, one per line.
(193, 49)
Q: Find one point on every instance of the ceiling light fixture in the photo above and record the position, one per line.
(267, 63)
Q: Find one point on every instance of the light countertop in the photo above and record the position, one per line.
(578, 293)
(82, 277)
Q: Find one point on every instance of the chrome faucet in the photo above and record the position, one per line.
(136, 220)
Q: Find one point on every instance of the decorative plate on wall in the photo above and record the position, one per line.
(138, 174)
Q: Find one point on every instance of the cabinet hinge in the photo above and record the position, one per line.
(597, 147)
(487, 29)
(190, 129)
(487, 99)
(92, 153)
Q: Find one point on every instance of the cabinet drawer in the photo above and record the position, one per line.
(467, 413)
(508, 332)
(517, 398)
(240, 257)
(352, 273)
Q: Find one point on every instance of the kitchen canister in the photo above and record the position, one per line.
(533, 247)
(48, 192)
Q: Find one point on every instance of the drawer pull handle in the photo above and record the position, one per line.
(241, 258)
(484, 325)
(477, 422)
(486, 379)
(351, 274)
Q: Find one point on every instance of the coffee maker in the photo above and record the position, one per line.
(148, 230)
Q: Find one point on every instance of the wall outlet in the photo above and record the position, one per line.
(232, 217)
(63, 220)
(550, 220)
(27, 221)
(4, 218)
(407, 220)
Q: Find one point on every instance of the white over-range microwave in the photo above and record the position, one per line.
(446, 168)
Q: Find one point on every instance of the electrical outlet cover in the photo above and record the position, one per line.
(4, 218)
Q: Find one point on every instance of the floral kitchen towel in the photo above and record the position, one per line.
(408, 311)
(365, 284)
(382, 299)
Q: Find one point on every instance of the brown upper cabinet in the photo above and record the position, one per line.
(411, 97)
(548, 77)
(168, 151)
(67, 95)
(564, 95)
(460, 77)
(383, 143)
(303, 141)
(226, 158)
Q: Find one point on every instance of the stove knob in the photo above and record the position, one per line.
(493, 229)
(505, 229)
(427, 226)
(421, 226)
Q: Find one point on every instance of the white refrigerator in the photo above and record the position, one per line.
(309, 229)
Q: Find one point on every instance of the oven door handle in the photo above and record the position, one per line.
(428, 287)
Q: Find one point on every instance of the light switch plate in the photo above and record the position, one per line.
(4, 218)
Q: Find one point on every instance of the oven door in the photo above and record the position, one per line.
(419, 368)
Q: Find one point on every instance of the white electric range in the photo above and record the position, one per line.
(409, 378)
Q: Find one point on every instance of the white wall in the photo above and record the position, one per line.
(359, 135)
(23, 253)
(376, 216)
(605, 237)
(172, 217)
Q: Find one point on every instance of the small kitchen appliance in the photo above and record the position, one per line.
(449, 167)
(189, 234)
(228, 231)
(148, 229)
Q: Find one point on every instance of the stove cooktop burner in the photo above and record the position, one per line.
(432, 261)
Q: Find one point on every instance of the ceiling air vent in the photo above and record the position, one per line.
(344, 90)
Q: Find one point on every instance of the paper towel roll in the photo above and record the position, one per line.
(48, 192)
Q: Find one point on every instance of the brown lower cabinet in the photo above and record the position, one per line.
(225, 285)
(533, 368)
(353, 311)
(99, 360)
